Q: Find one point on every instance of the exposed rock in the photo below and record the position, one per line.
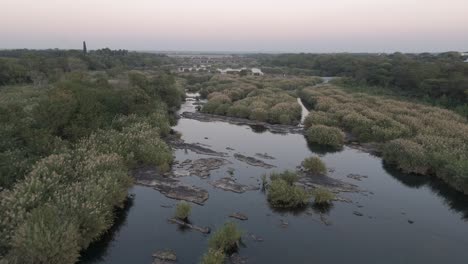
(198, 148)
(283, 223)
(228, 184)
(200, 167)
(357, 213)
(264, 156)
(239, 216)
(356, 177)
(229, 148)
(410, 221)
(253, 161)
(274, 128)
(204, 230)
(334, 185)
(181, 191)
(255, 238)
(164, 256)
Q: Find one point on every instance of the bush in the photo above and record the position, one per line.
(407, 155)
(314, 165)
(288, 176)
(183, 210)
(323, 196)
(225, 239)
(284, 195)
(45, 237)
(324, 135)
(213, 257)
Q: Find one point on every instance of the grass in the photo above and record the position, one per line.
(265, 99)
(314, 165)
(415, 138)
(226, 239)
(213, 257)
(282, 193)
(323, 196)
(183, 210)
(325, 135)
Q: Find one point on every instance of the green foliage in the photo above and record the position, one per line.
(415, 138)
(226, 239)
(66, 151)
(183, 210)
(213, 257)
(45, 237)
(281, 194)
(314, 165)
(253, 98)
(288, 176)
(438, 78)
(323, 196)
(324, 135)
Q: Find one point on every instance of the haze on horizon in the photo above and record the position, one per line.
(242, 25)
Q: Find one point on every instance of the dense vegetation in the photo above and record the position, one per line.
(67, 147)
(283, 193)
(416, 138)
(441, 79)
(266, 99)
(314, 165)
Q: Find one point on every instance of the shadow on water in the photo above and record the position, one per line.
(454, 199)
(322, 149)
(259, 129)
(97, 251)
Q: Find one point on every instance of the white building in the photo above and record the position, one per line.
(252, 71)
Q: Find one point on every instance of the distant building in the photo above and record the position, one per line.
(252, 71)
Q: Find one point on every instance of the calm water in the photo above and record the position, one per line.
(383, 234)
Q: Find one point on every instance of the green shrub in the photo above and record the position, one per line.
(324, 135)
(183, 210)
(314, 165)
(407, 155)
(45, 237)
(213, 257)
(288, 176)
(284, 195)
(225, 239)
(323, 196)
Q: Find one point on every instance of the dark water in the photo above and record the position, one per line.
(383, 234)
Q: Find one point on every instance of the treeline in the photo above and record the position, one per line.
(437, 78)
(65, 155)
(37, 66)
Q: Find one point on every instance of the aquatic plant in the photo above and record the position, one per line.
(183, 210)
(281, 194)
(213, 257)
(323, 196)
(288, 176)
(226, 239)
(314, 165)
(325, 135)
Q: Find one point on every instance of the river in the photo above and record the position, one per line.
(397, 218)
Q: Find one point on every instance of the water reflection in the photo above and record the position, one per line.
(322, 149)
(259, 129)
(97, 251)
(455, 200)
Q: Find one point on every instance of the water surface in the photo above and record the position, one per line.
(405, 218)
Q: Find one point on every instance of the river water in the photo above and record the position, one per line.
(397, 219)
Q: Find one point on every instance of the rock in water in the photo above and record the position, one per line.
(164, 257)
(239, 216)
(229, 184)
(253, 161)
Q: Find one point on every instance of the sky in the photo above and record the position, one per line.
(237, 25)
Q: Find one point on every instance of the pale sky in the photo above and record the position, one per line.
(237, 25)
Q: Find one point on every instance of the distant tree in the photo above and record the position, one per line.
(84, 48)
